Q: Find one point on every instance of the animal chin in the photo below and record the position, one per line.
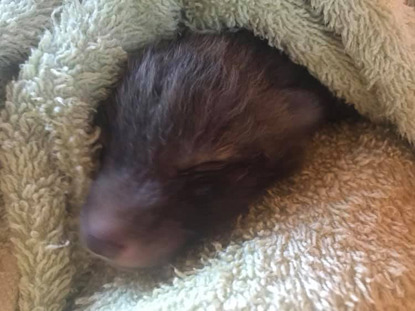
(156, 253)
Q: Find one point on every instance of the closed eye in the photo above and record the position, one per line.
(205, 168)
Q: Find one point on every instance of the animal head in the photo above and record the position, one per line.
(195, 132)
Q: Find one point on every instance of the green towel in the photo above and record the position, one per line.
(337, 236)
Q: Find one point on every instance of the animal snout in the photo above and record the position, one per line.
(105, 247)
(103, 236)
(122, 246)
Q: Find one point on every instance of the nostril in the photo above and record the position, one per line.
(105, 248)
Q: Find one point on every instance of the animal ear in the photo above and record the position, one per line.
(306, 110)
(300, 115)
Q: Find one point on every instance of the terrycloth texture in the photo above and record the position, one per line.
(338, 236)
(21, 25)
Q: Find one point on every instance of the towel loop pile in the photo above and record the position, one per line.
(344, 241)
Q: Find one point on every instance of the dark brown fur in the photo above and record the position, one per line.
(196, 131)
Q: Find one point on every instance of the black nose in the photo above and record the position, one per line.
(106, 248)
